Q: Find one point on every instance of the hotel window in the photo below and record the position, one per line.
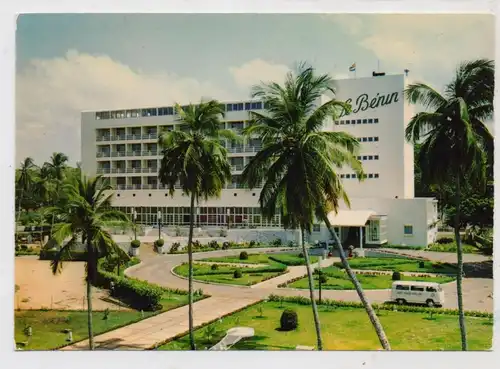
(408, 230)
(370, 157)
(257, 105)
(342, 176)
(247, 106)
(239, 106)
(370, 139)
(375, 139)
(364, 176)
(364, 157)
(359, 121)
(375, 120)
(229, 107)
(358, 157)
(375, 157)
(341, 122)
(370, 120)
(364, 139)
(348, 176)
(347, 122)
(370, 175)
(365, 121)
(316, 228)
(375, 175)
(353, 175)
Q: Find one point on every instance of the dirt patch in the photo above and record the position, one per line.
(39, 288)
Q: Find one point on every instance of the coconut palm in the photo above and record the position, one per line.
(195, 159)
(25, 180)
(85, 214)
(298, 163)
(454, 139)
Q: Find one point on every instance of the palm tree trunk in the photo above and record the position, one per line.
(190, 275)
(369, 309)
(19, 206)
(90, 261)
(460, 271)
(310, 280)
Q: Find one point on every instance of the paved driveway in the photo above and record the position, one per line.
(157, 269)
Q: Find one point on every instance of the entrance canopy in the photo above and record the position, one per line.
(350, 218)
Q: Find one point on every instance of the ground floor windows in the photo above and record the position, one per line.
(408, 230)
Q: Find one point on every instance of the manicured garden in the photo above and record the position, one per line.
(251, 269)
(334, 278)
(399, 265)
(343, 328)
(228, 245)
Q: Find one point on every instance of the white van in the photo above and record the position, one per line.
(427, 293)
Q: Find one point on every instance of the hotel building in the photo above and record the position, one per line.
(122, 145)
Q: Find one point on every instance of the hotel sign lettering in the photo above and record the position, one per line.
(364, 102)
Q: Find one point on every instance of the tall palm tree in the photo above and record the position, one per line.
(56, 169)
(195, 158)
(298, 162)
(86, 214)
(25, 180)
(454, 139)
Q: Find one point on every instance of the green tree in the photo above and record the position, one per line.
(86, 215)
(455, 140)
(195, 159)
(25, 181)
(298, 163)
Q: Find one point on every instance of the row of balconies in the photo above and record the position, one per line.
(237, 167)
(231, 150)
(152, 136)
(163, 187)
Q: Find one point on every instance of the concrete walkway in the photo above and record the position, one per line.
(147, 333)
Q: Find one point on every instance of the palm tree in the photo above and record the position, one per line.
(454, 139)
(195, 158)
(298, 162)
(25, 180)
(56, 170)
(85, 215)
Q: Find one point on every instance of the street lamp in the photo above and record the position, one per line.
(159, 224)
(134, 219)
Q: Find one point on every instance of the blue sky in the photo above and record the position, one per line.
(69, 63)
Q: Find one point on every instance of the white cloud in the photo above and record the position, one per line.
(257, 71)
(51, 93)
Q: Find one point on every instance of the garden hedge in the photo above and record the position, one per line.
(386, 306)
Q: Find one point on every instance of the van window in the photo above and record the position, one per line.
(431, 289)
(415, 288)
(404, 288)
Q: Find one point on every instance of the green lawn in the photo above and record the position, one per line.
(224, 274)
(343, 329)
(287, 259)
(338, 280)
(398, 264)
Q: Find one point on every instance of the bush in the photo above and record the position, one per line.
(159, 242)
(237, 273)
(175, 247)
(289, 320)
(396, 276)
(252, 243)
(18, 248)
(323, 278)
(196, 245)
(445, 240)
(301, 255)
(277, 242)
(214, 267)
(225, 245)
(213, 244)
(243, 255)
(291, 244)
(24, 247)
(135, 244)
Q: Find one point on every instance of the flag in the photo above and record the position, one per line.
(352, 68)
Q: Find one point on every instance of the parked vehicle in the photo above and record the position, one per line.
(428, 293)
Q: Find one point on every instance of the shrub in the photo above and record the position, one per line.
(289, 320)
(24, 247)
(135, 244)
(396, 276)
(18, 248)
(291, 244)
(277, 242)
(213, 244)
(445, 240)
(175, 247)
(323, 278)
(301, 255)
(237, 273)
(243, 255)
(214, 267)
(421, 264)
(252, 243)
(159, 242)
(196, 245)
(225, 245)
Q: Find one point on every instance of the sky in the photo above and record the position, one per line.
(68, 63)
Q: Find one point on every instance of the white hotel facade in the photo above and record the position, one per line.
(122, 145)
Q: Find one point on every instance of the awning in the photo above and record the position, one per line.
(350, 218)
